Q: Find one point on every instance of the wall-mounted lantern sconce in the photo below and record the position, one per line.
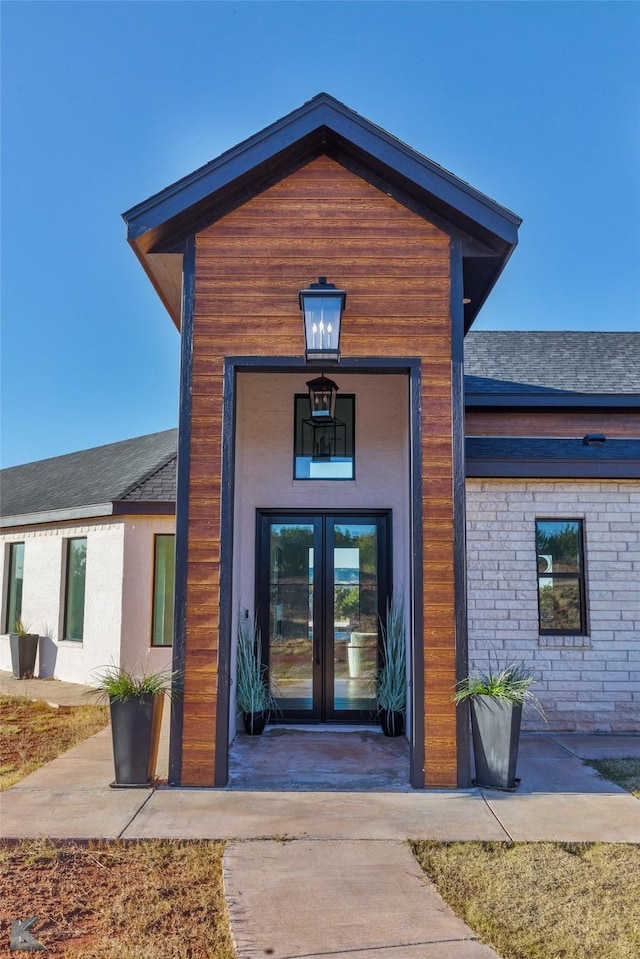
(322, 305)
(594, 439)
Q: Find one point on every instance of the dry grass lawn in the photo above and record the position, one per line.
(623, 772)
(542, 900)
(117, 900)
(33, 733)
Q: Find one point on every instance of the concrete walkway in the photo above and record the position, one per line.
(347, 900)
(350, 861)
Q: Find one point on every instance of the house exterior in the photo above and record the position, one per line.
(262, 529)
(553, 426)
(87, 557)
(587, 679)
(491, 480)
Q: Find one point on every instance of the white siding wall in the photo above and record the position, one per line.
(118, 597)
(137, 604)
(43, 598)
(587, 683)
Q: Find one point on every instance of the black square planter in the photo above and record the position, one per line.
(24, 650)
(495, 726)
(135, 732)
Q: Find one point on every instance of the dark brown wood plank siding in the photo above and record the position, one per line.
(395, 266)
(559, 425)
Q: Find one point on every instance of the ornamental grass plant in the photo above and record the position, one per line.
(391, 679)
(253, 690)
(121, 684)
(511, 683)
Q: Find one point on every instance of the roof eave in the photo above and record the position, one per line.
(70, 514)
(321, 125)
(322, 116)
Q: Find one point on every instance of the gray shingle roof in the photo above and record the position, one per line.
(101, 475)
(498, 361)
(160, 487)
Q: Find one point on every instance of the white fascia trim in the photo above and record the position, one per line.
(57, 515)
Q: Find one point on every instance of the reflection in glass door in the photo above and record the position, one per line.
(322, 585)
(291, 608)
(355, 605)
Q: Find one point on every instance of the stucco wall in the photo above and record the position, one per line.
(586, 683)
(264, 466)
(137, 594)
(43, 599)
(118, 597)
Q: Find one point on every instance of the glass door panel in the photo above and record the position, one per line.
(291, 606)
(322, 586)
(355, 616)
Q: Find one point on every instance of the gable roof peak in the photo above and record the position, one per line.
(159, 227)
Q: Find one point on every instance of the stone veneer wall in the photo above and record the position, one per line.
(586, 683)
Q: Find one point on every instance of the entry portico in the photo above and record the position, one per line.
(321, 192)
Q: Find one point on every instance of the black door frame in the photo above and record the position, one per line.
(234, 365)
(324, 522)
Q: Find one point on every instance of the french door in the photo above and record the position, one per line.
(322, 586)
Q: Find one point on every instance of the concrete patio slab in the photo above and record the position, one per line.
(226, 814)
(600, 747)
(558, 797)
(360, 758)
(546, 766)
(349, 908)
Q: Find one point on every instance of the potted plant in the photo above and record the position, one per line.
(24, 649)
(391, 678)
(136, 706)
(496, 699)
(254, 697)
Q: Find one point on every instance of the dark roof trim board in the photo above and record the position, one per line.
(322, 117)
(522, 457)
(143, 508)
(157, 227)
(553, 401)
(537, 448)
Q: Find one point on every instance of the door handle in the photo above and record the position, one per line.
(316, 643)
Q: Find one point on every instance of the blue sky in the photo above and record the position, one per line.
(105, 103)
